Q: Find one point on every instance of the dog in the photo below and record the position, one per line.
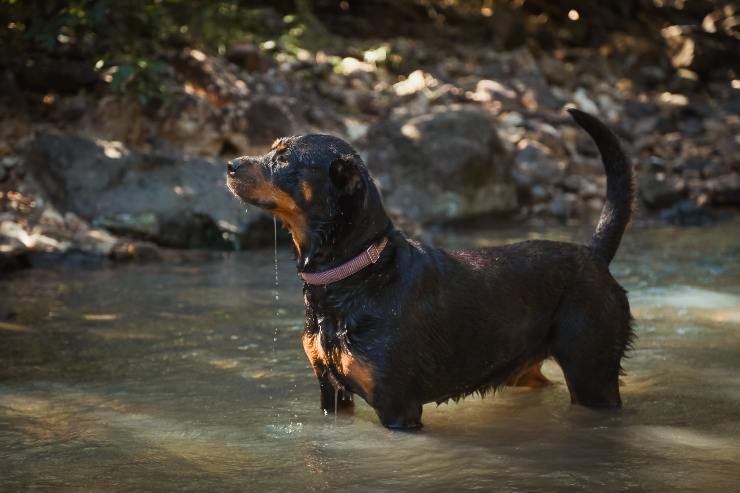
(401, 323)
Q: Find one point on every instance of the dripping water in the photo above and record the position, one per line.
(336, 403)
(276, 294)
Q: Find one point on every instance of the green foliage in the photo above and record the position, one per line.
(124, 38)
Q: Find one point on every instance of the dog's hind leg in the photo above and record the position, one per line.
(589, 341)
(589, 383)
(398, 413)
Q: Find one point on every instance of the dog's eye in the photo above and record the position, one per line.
(282, 159)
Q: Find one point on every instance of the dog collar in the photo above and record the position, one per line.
(343, 271)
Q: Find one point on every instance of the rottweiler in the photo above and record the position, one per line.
(401, 323)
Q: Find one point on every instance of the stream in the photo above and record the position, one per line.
(188, 376)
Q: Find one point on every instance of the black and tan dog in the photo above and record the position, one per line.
(402, 324)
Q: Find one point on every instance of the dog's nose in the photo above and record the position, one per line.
(232, 166)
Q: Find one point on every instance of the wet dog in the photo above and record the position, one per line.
(400, 323)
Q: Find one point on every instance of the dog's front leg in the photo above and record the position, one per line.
(334, 396)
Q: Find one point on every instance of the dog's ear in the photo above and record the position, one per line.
(346, 174)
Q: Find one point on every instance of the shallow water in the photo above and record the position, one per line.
(163, 377)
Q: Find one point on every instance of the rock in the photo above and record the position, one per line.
(175, 202)
(98, 242)
(636, 109)
(492, 90)
(584, 102)
(556, 71)
(135, 250)
(267, 119)
(194, 126)
(660, 191)
(145, 224)
(724, 190)
(564, 206)
(57, 75)
(9, 162)
(445, 165)
(14, 234)
(687, 213)
(533, 164)
(539, 194)
(248, 57)
(519, 69)
(702, 52)
(415, 82)
(351, 66)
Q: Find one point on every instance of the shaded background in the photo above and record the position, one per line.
(118, 115)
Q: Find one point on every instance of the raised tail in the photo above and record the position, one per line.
(619, 186)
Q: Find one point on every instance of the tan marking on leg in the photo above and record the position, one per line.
(531, 377)
(359, 371)
(314, 351)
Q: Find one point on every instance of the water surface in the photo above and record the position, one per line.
(166, 377)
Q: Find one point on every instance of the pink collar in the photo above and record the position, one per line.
(343, 271)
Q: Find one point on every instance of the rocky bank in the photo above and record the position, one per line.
(450, 134)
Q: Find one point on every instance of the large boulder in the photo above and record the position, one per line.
(442, 166)
(173, 201)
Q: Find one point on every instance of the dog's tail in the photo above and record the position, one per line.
(619, 186)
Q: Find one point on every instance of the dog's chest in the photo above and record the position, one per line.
(328, 348)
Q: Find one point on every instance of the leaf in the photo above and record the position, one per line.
(121, 77)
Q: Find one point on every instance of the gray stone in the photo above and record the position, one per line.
(267, 120)
(724, 190)
(687, 213)
(534, 164)
(445, 165)
(248, 57)
(174, 202)
(660, 191)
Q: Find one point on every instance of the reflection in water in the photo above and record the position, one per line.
(163, 377)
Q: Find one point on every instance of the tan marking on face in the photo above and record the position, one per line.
(285, 209)
(307, 192)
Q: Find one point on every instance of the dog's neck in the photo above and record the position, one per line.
(333, 243)
(324, 252)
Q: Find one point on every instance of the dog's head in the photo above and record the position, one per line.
(319, 187)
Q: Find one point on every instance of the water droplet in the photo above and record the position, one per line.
(277, 308)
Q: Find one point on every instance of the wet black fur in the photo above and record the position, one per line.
(437, 325)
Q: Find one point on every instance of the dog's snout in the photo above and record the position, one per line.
(233, 165)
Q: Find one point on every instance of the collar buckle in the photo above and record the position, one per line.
(373, 253)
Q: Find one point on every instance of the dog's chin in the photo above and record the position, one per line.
(241, 189)
(263, 204)
(267, 205)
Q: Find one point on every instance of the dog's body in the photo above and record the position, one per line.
(426, 325)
